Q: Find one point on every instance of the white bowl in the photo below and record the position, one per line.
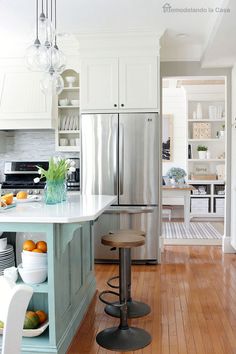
(33, 260)
(70, 80)
(74, 102)
(64, 102)
(35, 254)
(3, 244)
(34, 276)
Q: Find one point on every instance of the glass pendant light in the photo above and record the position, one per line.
(46, 29)
(52, 83)
(37, 58)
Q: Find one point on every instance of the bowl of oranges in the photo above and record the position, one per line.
(33, 269)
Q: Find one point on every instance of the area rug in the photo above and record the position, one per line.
(197, 230)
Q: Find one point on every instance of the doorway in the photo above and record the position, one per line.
(194, 146)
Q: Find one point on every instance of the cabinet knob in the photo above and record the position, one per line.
(115, 105)
(122, 105)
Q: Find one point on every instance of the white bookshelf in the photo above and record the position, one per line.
(210, 204)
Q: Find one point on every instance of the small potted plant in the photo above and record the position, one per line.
(222, 131)
(176, 175)
(202, 152)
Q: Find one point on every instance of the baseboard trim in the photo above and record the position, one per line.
(192, 242)
(226, 245)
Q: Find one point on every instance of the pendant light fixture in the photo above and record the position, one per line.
(36, 55)
(47, 57)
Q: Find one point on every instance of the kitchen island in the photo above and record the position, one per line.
(71, 285)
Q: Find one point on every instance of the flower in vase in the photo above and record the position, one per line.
(55, 175)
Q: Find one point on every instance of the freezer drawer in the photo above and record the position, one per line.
(139, 218)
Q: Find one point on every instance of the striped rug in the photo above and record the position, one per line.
(197, 230)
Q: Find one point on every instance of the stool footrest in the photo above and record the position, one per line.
(115, 303)
(110, 280)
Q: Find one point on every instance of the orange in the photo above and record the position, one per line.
(29, 245)
(7, 198)
(22, 195)
(42, 245)
(42, 316)
(37, 250)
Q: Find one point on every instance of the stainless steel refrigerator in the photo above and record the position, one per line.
(120, 156)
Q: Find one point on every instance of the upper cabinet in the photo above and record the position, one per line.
(119, 84)
(99, 83)
(22, 104)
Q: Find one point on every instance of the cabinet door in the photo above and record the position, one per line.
(21, 100)
(99, 84)
(138, 83)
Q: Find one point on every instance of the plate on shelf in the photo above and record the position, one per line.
(33, 332)
(30, 198)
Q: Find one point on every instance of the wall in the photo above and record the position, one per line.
(174, 102)
(29, 145)
(233, 159)
(180, 69)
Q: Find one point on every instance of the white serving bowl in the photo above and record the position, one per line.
(70, 80)
(74, 102)
(33, 260)
(33, 276)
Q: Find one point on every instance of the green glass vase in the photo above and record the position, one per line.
(55, 192)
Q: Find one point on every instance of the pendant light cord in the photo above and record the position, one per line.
(55, 9)
(37, 13)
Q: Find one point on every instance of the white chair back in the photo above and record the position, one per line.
(14, 300)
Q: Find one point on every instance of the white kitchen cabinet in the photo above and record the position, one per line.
(22, 103)
(99, 83)
(119, 84)
(138, 81)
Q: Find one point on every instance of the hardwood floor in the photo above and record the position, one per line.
(193, 300)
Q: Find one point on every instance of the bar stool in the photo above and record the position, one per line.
(123, 337)
(135, 308)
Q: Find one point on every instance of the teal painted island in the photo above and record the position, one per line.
(71, 284)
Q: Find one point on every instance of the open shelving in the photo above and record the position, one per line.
(68, 126)
(206, 106)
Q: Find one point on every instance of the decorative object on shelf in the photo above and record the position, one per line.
(190, 151)
(220, 171)
(222, 132)
(194, 115)
(176, 175)
(202, 152)
(208, 154)
(70, 80)
(221, 156)
(201, 130)
(55, 188)
(199, 111)
(167, 137)
(44, 55)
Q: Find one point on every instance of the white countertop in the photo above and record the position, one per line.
(77, 208)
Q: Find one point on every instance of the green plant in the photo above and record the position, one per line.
(176, 173)
(223, 126)
(57, 170)
(202, 148)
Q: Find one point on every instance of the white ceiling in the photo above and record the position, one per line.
(17, 18)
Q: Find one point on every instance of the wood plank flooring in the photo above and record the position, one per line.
(193, 300)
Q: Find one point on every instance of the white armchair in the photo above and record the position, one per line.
(14, 300)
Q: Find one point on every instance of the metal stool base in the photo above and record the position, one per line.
(135, 309)
(123, 339)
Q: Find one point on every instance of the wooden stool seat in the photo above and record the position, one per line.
(128, 232)
(123, 240)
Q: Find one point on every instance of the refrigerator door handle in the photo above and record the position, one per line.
(115, 160)
(121, 160)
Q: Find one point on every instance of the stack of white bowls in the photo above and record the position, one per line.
(34, 267)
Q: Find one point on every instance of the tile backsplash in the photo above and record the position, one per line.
(30, 145)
